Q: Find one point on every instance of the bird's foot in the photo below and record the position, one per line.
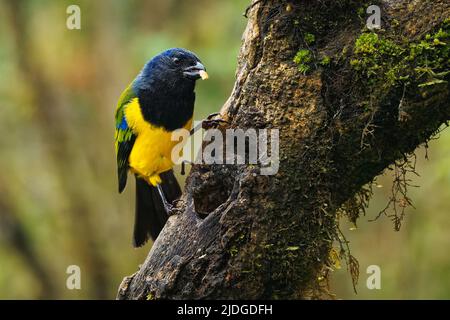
(210, 122)
(172, 209)
(169, 209)
(175, 209)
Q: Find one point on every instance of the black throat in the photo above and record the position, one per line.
(168, 105)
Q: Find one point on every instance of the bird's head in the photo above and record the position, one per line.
(173, 66)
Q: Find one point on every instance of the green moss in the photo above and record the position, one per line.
(306, 61)
(309, 38)
(361, 12)
(325, 61)
(383, 63)
(235, 244)
(233, 251)
(374, 56)
(303, 58)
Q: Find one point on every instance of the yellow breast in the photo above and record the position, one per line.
(152, 150)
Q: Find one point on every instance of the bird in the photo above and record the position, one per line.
(158, 101)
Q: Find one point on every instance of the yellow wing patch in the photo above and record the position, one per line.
(152, 150)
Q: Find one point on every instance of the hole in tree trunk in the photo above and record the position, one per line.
(212, 187)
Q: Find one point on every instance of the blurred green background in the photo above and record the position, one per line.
(59, 204)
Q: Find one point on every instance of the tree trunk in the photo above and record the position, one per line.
(353, 103)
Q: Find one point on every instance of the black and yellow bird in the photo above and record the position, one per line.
(159, 101)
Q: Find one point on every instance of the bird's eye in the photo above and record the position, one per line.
(176, 60)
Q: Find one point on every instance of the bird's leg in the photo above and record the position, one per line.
(209, 123)
(167, 206)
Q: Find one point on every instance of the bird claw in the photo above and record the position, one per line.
(172, 209)
(209, 122)
(212, 115)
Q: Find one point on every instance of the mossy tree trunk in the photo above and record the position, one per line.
(353, 103)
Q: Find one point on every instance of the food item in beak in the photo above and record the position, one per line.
(203, 75)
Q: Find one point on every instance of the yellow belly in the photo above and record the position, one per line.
(152, 150)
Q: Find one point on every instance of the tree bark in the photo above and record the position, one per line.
(354, 107)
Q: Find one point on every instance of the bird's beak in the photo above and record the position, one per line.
(196, 72)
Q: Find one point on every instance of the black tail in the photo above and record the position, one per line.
(150, 215)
